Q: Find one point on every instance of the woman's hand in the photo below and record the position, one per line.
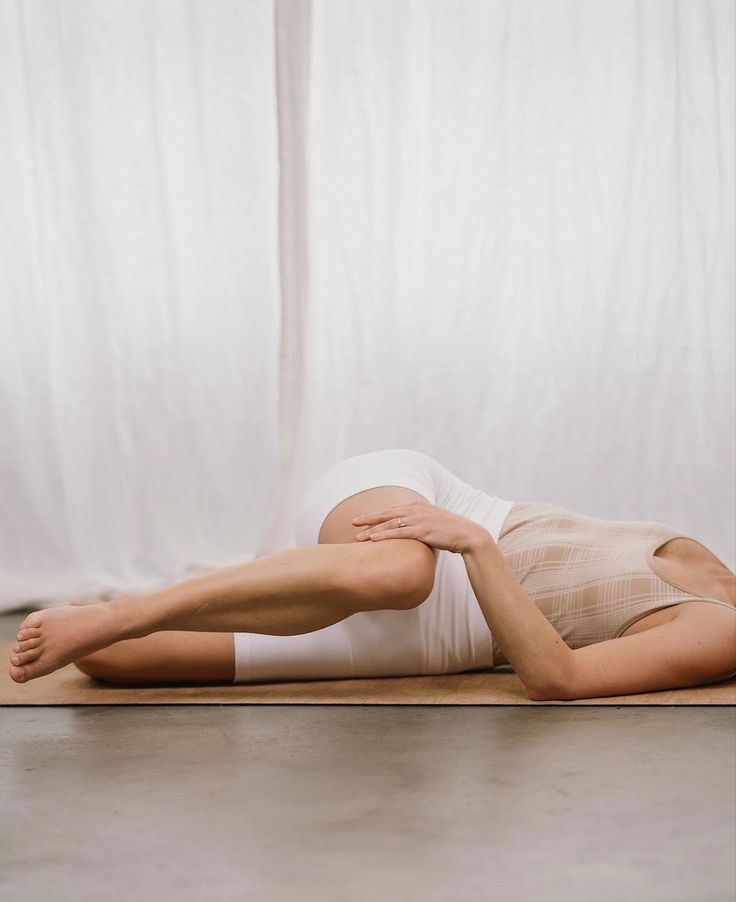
(435, 526)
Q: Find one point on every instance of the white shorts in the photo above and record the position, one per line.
(447, 633)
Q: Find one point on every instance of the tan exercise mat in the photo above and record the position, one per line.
(69, 686)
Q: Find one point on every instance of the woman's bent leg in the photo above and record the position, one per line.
(290, 592)
(168, 656)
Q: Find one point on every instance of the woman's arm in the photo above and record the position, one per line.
(533, 647)
(691, 649)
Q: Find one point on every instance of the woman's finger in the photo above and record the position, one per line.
(370, 527)
(375, 516)
(392, 511)
(382, 530)
(402, 533)
(384, 523)
(382, 526)
(384, 514)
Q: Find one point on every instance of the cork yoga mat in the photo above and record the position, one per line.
(70, 687)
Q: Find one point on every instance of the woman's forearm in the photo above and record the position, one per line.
(532, 646)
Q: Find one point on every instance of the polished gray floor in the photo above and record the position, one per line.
(368, 803)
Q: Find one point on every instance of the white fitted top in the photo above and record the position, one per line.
(591, 578)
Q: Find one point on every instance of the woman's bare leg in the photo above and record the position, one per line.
(164, 658)
(293, 591)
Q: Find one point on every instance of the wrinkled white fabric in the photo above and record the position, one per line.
(521, 244)
(241, 241)
(139, 314)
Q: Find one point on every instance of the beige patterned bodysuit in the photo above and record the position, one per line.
(591, 578)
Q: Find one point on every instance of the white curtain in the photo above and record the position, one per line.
(242, 240)
(138, 291)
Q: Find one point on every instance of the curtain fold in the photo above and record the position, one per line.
(242, 240)
(139, 307)
(292, 23)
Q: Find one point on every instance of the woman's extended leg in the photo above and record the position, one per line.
(164, 657)
(290, 592)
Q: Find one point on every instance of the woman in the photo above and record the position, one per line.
(402, 568)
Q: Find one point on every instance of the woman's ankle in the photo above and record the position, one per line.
(135, 616)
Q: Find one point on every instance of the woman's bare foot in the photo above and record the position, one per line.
(54, 637)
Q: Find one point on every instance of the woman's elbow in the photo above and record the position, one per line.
(550, 693)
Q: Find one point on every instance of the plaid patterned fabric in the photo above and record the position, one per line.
(590, 577)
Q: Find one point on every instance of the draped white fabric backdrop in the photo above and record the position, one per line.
(242, 240)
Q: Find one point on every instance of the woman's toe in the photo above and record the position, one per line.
(22, 673)
(17, 674)
(32, 621)
(33, 633)
(24, 657)
(27, 644)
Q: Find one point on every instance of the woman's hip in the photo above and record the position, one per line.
(406, 467)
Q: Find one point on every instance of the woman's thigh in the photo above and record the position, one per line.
(337, 527)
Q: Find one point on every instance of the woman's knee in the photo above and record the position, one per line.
(395, 573)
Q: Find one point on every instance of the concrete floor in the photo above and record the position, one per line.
(356, 803)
